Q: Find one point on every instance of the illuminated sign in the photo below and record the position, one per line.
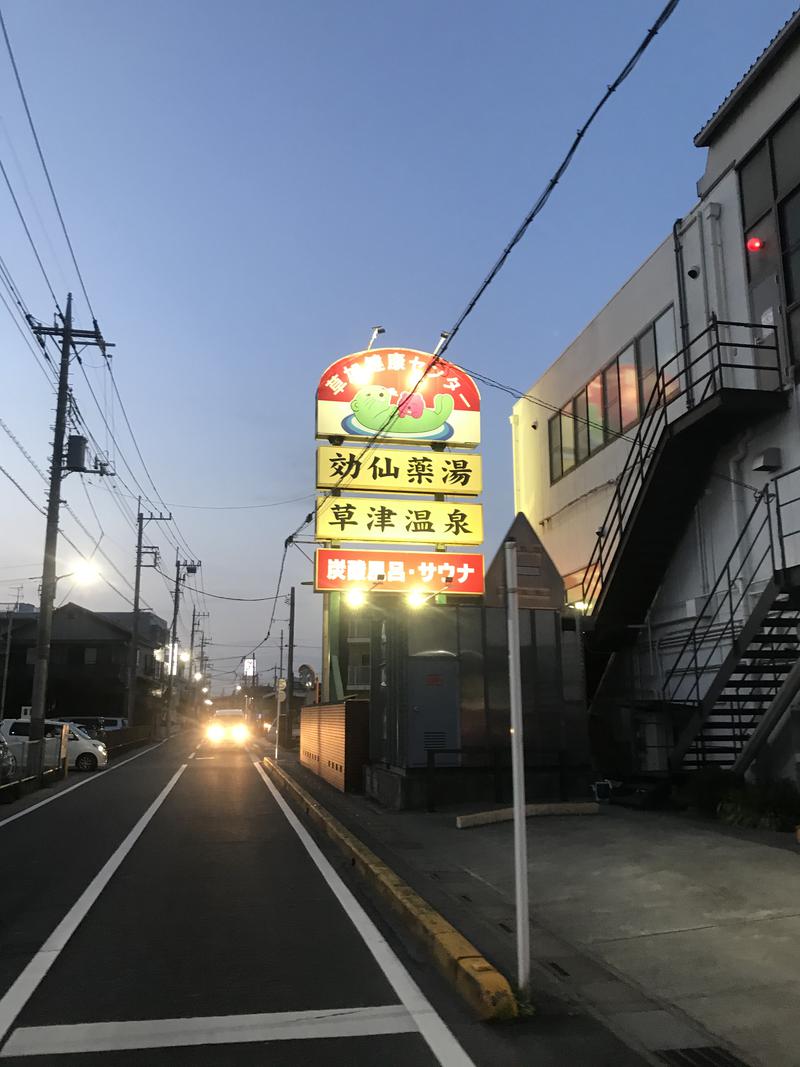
(399, 471)
(249, 666)
(383, 391)
(426, 522)
(398, 572)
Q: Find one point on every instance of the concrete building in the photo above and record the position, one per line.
(658, 464)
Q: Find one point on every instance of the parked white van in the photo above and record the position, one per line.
(83, 753)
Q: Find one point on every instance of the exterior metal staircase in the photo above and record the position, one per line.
(737, 657)
(727, 377)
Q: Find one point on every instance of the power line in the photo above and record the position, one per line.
(447, 337)
(44, 166)
(29, 236)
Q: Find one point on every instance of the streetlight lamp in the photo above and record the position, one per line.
(198, 677)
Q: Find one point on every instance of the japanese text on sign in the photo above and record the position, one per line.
(399, 471)
(397, 572)
(341, 518)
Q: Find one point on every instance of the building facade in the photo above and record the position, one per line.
(661, 478)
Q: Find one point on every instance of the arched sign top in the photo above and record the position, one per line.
(374, 390)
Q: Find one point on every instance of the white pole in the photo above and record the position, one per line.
(518, 774)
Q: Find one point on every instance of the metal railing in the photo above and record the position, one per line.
(787, 514)
(709, 363)
(725, 608)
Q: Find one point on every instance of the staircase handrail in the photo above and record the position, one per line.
(693, 638)
(674, 380)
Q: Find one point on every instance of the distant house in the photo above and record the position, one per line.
(89, 653)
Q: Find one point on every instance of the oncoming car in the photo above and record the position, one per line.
(228, 727)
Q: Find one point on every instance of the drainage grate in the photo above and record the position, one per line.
(711, 1056)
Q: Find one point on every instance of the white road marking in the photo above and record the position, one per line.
(94, 778)
(433, 1029)
(205, 757)
(214, 1030)
(18, 995)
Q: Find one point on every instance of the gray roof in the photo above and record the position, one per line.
(782, 39)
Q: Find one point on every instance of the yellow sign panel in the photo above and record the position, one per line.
(422, 522)
(397, 470)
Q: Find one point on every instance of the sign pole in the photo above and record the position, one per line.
(518, 774)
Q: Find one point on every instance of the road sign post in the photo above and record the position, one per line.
(518, 774)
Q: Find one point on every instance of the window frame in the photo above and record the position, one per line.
(608, 436)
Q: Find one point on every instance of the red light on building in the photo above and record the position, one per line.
(754, 244)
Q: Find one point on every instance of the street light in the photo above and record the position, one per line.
(184, 657)
(198, 677)
(238, 689)
(208, 702)
(204, 689)
(355, 598)
(416, 599)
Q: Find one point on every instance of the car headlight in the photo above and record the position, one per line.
(100, 747)
(215, 732)
(240, 732)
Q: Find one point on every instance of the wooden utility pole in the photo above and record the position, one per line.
(68, 336)
(182, 568)
(141, 551)
(290, 668)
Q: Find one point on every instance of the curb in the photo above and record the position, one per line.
(486, 818)
(480, 984)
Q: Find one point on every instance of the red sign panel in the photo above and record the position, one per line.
(399, 572)
(392, 391)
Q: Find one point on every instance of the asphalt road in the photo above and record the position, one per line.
(173, 910)
(169, 911)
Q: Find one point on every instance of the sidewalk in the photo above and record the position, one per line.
(675, 934)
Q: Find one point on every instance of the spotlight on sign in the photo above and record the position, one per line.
(416, 599)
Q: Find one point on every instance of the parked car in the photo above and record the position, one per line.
(96, 725)
(8, 762)
(83, 753)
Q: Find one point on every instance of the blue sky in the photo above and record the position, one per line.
(250, 186)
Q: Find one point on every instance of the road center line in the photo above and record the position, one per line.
(213, 1030)
(433, 1029)
(18, 995)
(95, 777)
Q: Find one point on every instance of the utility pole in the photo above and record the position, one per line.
(141, 551)
(8, 653)
(67, 336)
(182, 568)
(290, 667)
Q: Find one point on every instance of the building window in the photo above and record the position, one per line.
(90, 656)
(769, 183)
(628, 387)
(613, 421)
(581, 428)
(567, 438)
(646, 365)
(611, 402)
(554, 440)
(594, 404)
